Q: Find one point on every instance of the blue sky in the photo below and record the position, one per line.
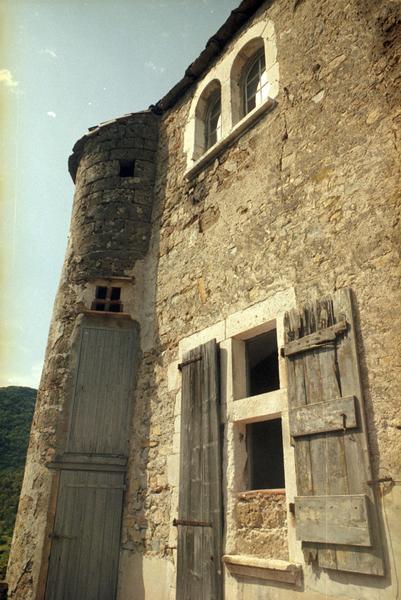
(66, 65)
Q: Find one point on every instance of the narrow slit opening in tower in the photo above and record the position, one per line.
(127, 168)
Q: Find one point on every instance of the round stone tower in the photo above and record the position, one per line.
(77, 457)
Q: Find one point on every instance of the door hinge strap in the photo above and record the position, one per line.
(185, 522)
(188, 362)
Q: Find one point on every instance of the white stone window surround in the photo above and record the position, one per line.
(86, 295)
(228, 73)
(231, 333)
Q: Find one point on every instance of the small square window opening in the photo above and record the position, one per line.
(127, 168)
(265, 455)
(262, 363)
(107, 299)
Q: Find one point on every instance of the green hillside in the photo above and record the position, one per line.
(16, 410)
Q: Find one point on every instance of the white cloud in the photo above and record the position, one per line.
(51, 114)
(7, 78)
(50, 52)
(151, 65)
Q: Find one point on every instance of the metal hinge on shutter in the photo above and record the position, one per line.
(188, 362)
(189, 523)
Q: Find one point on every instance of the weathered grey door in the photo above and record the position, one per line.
(199, 572)
(83, 562)
(85, 545)
(102, 391)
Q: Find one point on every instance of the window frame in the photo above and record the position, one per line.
(107, 302)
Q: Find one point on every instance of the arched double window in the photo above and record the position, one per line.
(213, 121)
(256, 85)
(236, 92)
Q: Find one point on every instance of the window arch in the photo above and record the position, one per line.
(256, 86)
(250, 85)
(209, 124)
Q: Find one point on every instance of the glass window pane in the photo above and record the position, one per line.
(256, 84)
(213, 122)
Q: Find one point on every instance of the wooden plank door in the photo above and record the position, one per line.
(85, 546)
(199, 549)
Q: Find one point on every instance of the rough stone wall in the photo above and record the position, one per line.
(110, 231)
(309, 198)
(262, 525)
(111, 219)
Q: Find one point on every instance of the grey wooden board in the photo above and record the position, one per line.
(103, 391)
(85, 543)
(199, 549)
(332, 415)
(314, 340)
(339, 519)
(337, 462)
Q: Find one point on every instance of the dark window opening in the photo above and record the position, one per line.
(127, 168)
(265, 455)
(107, 299)
(115, 308)
(101, 292)
(115, 293)
(262, 364)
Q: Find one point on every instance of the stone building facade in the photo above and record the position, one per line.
(225, 244)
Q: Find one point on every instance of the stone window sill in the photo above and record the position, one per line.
(256, 493)
(104, 313)
(243, 565)
(241, 127)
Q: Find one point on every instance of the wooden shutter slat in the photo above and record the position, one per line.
(333, 415)
(356, 448)
(314, 340)
(322, 384)
(342, 519)
(336, 462)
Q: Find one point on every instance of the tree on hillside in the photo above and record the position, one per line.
(16, 411)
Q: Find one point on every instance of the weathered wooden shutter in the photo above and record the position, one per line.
(336, 515)
(199, 523)
(85, 545)
(102, 397)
